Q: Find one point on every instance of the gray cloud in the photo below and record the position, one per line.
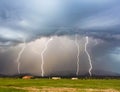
(33, 19)
(60, 57)
(37, 20)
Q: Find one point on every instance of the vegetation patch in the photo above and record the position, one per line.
(62, 85)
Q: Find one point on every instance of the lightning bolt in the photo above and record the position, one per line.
(42, 55)
(89, 58)
(19, 57)
(78, 52)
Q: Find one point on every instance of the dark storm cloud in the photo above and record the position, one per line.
(32, 19)
(28, 20)
(61, 57)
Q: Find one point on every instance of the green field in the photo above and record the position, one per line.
(62, 85)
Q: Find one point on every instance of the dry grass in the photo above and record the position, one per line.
(58, 89)
(76, 90)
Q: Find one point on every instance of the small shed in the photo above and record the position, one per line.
(27, 77)
(56, 78)
(74, 78)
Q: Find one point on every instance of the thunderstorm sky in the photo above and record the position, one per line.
(31, 23)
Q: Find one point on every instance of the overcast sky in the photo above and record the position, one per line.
(35, 21)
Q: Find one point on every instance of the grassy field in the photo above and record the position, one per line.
(62, 85)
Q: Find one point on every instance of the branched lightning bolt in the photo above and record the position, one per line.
(78, 52)
(42, 55)
(19, 57)
(89, 58)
